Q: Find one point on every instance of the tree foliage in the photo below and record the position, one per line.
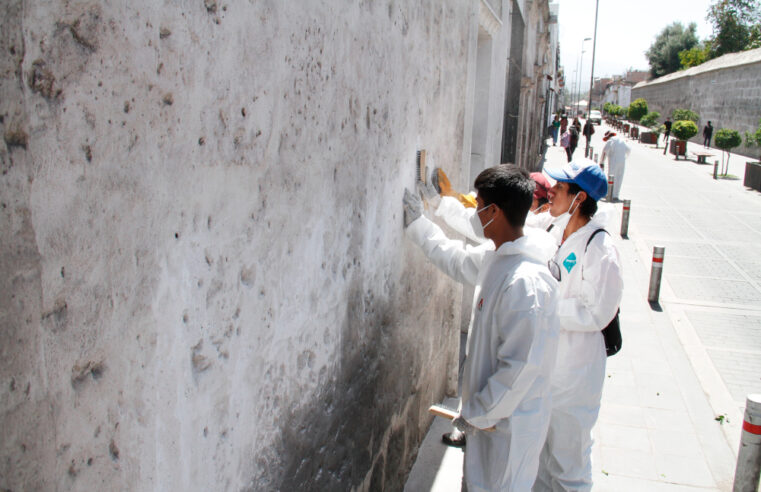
(695, 56)
(684, 129)
(637, 109)
(754, 139)
(650, 120)
(685, 114)
(736, 26)
(663, 54)
(727, 139)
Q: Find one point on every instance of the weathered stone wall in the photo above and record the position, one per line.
(205, 283)
(728, 97)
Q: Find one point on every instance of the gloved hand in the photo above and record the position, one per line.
(441, 182)
(462, 425)
(413, 207)
(429, 194)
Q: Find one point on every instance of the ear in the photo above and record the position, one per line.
(582, 196)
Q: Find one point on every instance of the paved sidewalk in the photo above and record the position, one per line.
(686, 361)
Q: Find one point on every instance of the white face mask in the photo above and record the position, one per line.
(475, 222)
(567, 215)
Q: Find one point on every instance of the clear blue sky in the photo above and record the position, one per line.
(625, 30)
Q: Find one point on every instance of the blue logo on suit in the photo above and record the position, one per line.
(569, 262)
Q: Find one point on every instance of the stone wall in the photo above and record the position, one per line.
(724, 91)
(205, 283)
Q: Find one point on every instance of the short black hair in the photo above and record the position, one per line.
(508, 187)
(589, 206)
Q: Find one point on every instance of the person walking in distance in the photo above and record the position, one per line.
(707, 134)
(589, 130)
(616, 150)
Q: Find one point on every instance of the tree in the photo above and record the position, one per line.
(650, 120)
(754, 139)
(684, 129)
(695, 56)
(663, 54)
(685, 114)
(727, 139)
(735, 25)
(637, 109)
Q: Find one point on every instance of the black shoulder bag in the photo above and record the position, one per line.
(612, 332)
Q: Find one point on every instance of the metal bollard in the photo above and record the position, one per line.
(715, 169)
(625, 219)
(748, 468)
(655, 274)
(611, 181)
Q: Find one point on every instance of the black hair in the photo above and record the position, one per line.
(508, 187)
(589, 206)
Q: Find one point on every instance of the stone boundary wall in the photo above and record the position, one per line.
(728, 97)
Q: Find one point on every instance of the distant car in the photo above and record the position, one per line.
(594, 117)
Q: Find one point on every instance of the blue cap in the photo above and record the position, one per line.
(585, 173)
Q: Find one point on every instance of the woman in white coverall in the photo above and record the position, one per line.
(590, 293)
(512, 339)
(616, 150)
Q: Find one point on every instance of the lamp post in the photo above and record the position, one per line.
(581, 66)
(592, 75)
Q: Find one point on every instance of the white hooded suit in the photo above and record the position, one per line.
(512, 343)
(617, 150)
(590, 292)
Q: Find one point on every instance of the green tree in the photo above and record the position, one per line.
(650, 120)
(754, 139)
(684, 129)
(727, 139)
(695, 56)
(685, 114)
(637, 109)
(735, 26)
(663, 54)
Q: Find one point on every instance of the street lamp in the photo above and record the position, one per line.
(581, 67)
(592, 75)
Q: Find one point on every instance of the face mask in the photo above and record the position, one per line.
(567, 215)
(475, 222)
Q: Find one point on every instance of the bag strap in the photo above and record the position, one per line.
(592, 236)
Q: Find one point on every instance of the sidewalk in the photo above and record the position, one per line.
(685, 361)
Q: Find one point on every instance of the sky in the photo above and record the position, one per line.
(625, 30)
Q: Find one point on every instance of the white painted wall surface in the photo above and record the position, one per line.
(205, 283)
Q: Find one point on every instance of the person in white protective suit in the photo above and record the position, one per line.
(616, 150)
(457, 212)
(589, 274)
(512, 339)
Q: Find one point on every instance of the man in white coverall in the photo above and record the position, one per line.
(512, 338)
(589, 273)
(457, 212)
(616, 150)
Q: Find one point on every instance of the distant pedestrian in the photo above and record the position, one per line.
(563, 124)
(707, 134)
(667, 124)
(589, 130)
(616, 150)
(573, 139)
(555, 130)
